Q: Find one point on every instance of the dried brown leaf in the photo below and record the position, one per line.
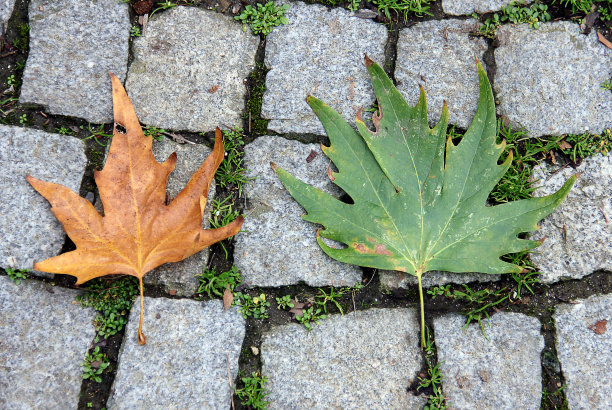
(600, 327)
(228, 298)
(138, 231)
(604, 40)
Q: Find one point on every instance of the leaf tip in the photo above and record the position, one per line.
(273, 166)
(367, 60)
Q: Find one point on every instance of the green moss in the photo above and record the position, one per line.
(257, 87)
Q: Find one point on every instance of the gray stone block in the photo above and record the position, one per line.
(464, 7)
(503, 372)
(180, 276)
(44, 337)
(549, 80)
(29, 230)
(73, 46)
(586, 356)
(189, 69)
(395, 280)
(276, 246)
(579, 233)
(439, 55)
(184, 364)
(6, 10)
(366, 360)
(320, 53)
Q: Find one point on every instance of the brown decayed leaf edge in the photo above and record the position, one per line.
(138, 231)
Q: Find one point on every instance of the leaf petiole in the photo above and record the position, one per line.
(418, 274)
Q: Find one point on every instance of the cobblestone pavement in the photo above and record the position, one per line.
(190, 69)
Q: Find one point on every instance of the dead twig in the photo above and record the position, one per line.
(229, 380)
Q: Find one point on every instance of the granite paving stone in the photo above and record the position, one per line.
(180, 276)
(466, 7)
(189, 69)
(29, 230)
(584, 348)
(276, 246)
(439, 55)
(501, 372)
(367, 360)
(184, 364)
(320, 53)
(44, 337)
(73, 46)
(549, 80)
(579, 233)
(394, 280)
(6, 9)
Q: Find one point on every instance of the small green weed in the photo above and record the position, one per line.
(434, 378)
(263, 17)
(135, 31)
(311, 315)
(23, 119)
(607, 85)
(585, 145)
(215, 284)
(516, 183)
(517, 13)
(64, 130)
(489, 27)
(151, 131)
(284, 302)
(223, 212)
(403, 7)
(113, 300)
(11, 81)
(165, 5)
(97, 134)
(585, 7)
(94, 365)
(322, 298)
(353, 5)
(16, 275)
(253, 393)
(250, 306)
(231, 172)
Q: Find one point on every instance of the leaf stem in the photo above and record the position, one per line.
(142, 340)
(418, 274)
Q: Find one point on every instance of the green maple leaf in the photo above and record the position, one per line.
(419, 201)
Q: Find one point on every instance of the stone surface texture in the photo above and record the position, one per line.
(44, 337)
(579, 233)
(439, 55)
(29, 230)
(503, 372)
(320, 53)
(180, 276)
(586, 356)
(277, 247)
(465, 7)
(394, 280)
(541, 82)
(189, 69)
(6, 9)
(185, 362)
(362, 361)
(73, 46)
